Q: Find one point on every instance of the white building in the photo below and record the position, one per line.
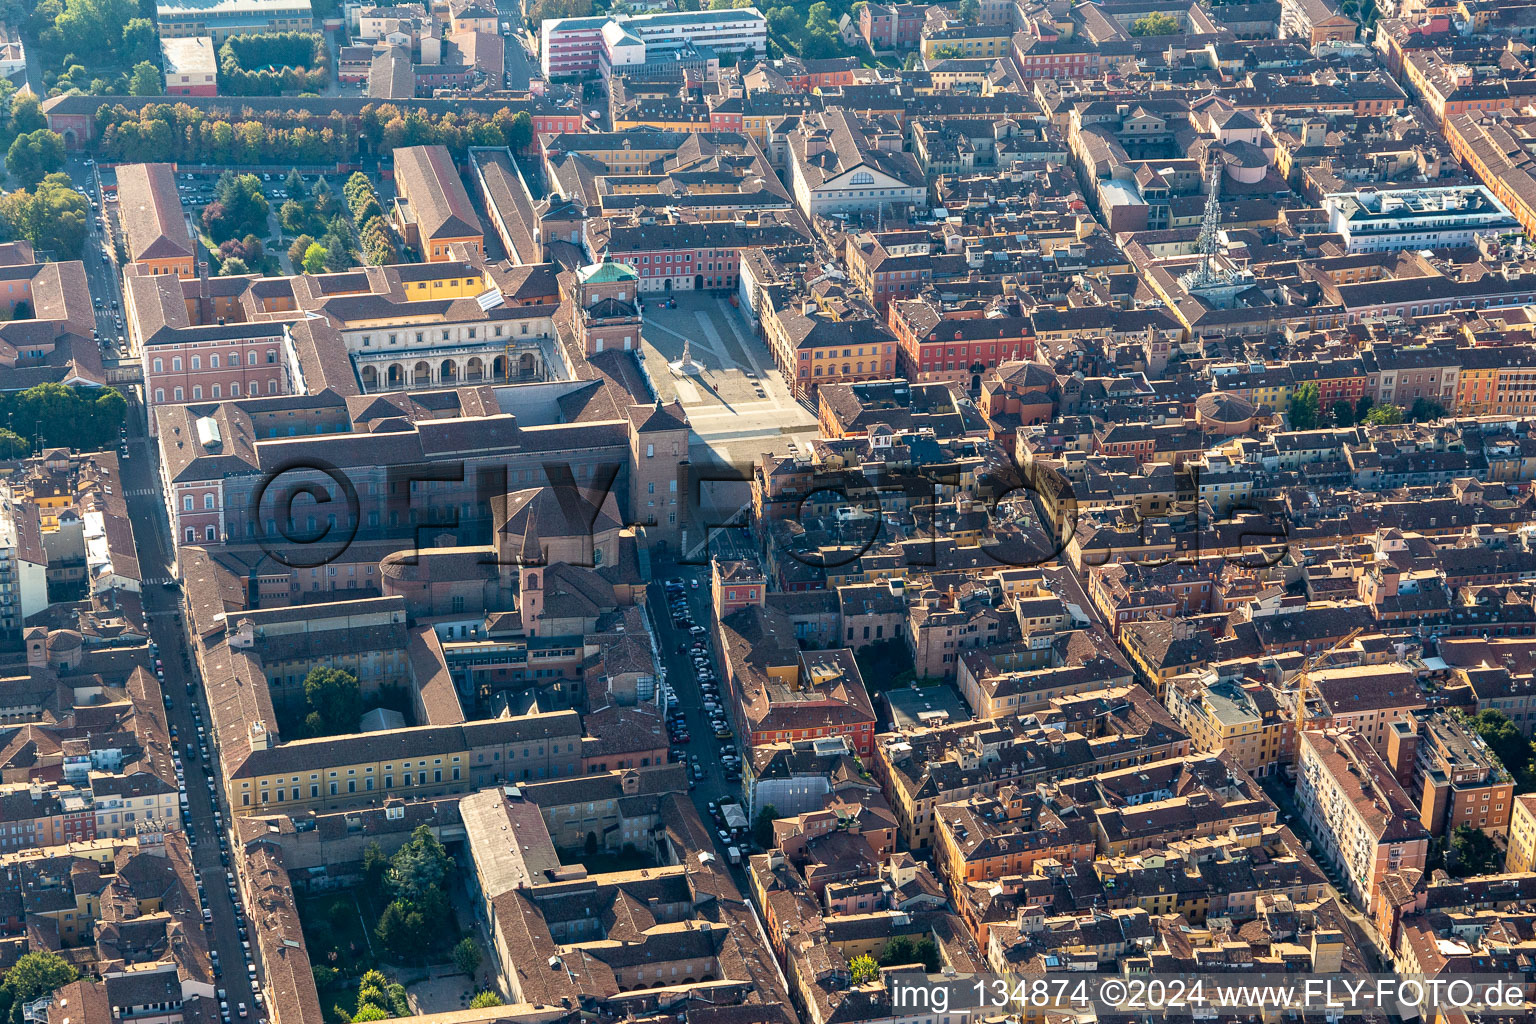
(837, 167)
(23, 570)
(13, 54)
(1421, 218)
(579, 47)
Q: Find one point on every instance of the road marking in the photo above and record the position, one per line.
(703, 343)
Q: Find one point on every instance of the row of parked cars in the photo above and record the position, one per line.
(198, 750)
(697, 648)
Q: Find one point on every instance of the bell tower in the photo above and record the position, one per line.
(530, 597)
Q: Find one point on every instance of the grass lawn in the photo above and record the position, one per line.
(335, 933)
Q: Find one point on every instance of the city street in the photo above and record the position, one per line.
(162, 607)
(99, 270)
(684, 682)
(519, 67)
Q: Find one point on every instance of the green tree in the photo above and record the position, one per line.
(969, 11)
(325, 199)
(820, 38)
(1473, 852)
(82, 418)
(1384, 415)
(293, 216)
(234, 267)
(899, 950)
(146, 80)
(1156, 24)
(1363, 408)
(927, 953)
(34, 975)
(13, 445)
(370, 1011)
(590, 847)
(1507, 743)
(520, 132)
(334, 695)
(402, 929)
(92, 30)
(947, 53)
(375, 866)
(903, 950)
(371, 995)
(27, 113)
(52, 217)
(294, 185)
(542, 9)
(1304, 407)
(324, 976)
(485, 999)
(299, 247)
(1426, 409)
(864, 969)
(420, 868)
(239, 208)
(140, 43)
(34, 156)
(785, 22)
(467, 955)
(316, 258)
(399, 1005)
(762, 826)
(1343, 413)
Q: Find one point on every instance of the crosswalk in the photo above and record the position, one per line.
(160, 581)
(142, 492)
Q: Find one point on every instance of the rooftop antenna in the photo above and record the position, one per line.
(1208, 242)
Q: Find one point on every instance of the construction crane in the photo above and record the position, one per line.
(1311, 665)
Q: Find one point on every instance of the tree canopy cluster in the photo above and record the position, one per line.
(902, 950)
(239, 208)
(176, 131)
(541, 9)
(1157, 23)
(273, 63)
(1507, 743)
(94, 33)
(241, 256)
(378, 243)
(416, 881)
(83, 418)
(33, 975)
(1306, 412)
(52, 216)
(378, 998)
(146, 80)
(811, 33)
(1473, 852)
(385, 127)
(35, 155)
(333, 702)
(186, 134)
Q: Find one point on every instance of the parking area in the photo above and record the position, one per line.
(699, 727)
